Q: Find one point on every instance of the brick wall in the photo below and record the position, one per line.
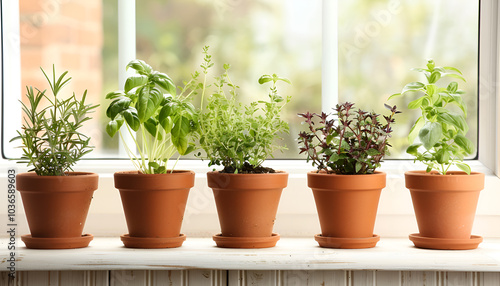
(68, 34)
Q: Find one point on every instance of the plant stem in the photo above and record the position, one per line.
(175, 164)
(129, 152)
(138, 147)
(203, 92)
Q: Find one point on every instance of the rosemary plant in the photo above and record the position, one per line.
(50, 139)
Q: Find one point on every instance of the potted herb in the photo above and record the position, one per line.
(346, 186)
(239, 138)
(56, 199)
(162, 123)
(444, 201)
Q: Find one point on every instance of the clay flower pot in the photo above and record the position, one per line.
(56, 208)
(247, 205)
(154, 206)
(347, 206)
(445, 207)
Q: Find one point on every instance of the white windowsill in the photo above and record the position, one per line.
(296, 217)
(289, 254)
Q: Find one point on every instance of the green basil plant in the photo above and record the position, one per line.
(160, 121)
(438, 136)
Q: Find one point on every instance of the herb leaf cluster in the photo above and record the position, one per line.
(355, 143)
(50, 139)
(165, 122)
(440, 130)
(236, 136)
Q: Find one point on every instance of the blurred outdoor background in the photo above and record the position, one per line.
(379, 41)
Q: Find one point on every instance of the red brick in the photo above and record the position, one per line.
(29, 6)
(90, 37)
(30, 35)
(74, 10)
(59, 34)
(30, 57)
(94, 15)
(71, 61)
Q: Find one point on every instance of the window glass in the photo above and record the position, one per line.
(72, 36)
(254, 37)
(379, 41)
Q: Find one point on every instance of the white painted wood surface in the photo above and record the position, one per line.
(289, 254)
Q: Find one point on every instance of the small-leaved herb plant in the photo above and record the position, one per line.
(438, 136)
(236, 136)
(50, 139)
(160, 121)
(354, 143)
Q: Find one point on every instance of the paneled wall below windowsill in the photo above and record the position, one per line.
(198, 277)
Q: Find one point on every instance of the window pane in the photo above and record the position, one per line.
(255, 37)
(71, 36)
(379, 41)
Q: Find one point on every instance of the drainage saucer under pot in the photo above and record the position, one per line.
(246, 242)
(347, 243)
(56, 242)
(445, 243)
(152, 242)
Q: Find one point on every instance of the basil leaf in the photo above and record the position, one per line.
(464, 143)
(135, 81)
(132, 118)
(117, 106)
(430, 134)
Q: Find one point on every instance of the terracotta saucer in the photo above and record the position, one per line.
(446, 243)
(56, 242)
(348, 243)
(152, 242)
(246, 242)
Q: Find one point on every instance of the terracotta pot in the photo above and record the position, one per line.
(154, 204)
(57, 206)
(445, 206)
(247, 203)
(347, 204)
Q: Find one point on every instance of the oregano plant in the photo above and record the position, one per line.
(50, 138)
(236, 136)
(438, 136)
(349, 141)
(160, 121)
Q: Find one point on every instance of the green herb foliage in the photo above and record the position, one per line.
(240, 137)
(440, 131)
(355, 143)
(50, 139)
(166, 122)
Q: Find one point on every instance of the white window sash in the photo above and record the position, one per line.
(11, 77)
(126, 53)
(330, 58)
(489, 103)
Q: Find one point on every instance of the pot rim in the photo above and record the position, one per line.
(218, 180)
(135, 181)
(457, 181)
(138, 174)
(423, 173)
(276, 173)
(33, 175)
(376, 173)
(339, 182)
(76, 182)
